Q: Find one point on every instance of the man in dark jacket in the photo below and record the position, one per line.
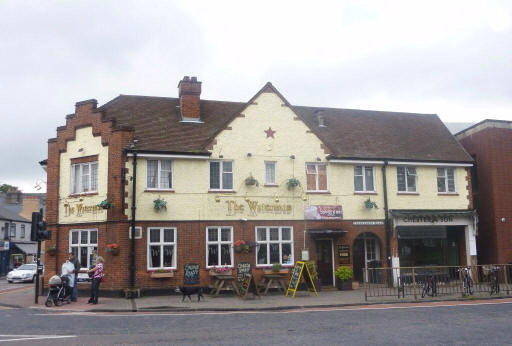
(76, 263)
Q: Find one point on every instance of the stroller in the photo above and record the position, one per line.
(59, 291)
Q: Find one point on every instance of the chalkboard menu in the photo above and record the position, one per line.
(297, 271)
(248, 285)
(243, 270)
(300, 271)
(344, 254)
(191, 274)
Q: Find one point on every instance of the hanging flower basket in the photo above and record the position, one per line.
(159, 204)
(106, 204)
(251, 181)
(369, 204)
(113, 249)
(292, 183)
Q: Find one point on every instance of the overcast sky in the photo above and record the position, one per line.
(453, 58)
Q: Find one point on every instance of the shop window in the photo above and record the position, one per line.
(159, 174)
(363, 179)
(83, 243)
(445, 180)
(219, 246)
(22, 231)
(316, 176)
(84, 177)
(221, 175)
(275, 245)
(270, 173)
(406, 179)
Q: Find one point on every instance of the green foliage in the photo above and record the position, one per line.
(292, 183)
(370, 204)
(105, 204)
(250, 180)
(276, 267)
(6, 188)
(160, 204)
(344, 273)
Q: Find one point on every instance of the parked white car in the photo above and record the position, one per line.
(24, 273)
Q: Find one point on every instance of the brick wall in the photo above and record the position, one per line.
(492, 149)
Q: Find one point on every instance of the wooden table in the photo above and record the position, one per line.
(223, 281)
(274, 280)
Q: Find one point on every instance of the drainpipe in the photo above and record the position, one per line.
(132, 223)
(387, 224)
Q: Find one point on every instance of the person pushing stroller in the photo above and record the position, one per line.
(61, 287)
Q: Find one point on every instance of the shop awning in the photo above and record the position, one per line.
(316, 233)
(27, 248)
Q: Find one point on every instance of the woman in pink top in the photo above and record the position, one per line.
(96, 280)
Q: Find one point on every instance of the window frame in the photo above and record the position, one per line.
(221, 172)
(274, 183)
(79, 187)
(316, 164)
(90, 246)
(137, 229)
(363, 170)
(280, 241)
(445, 177)
(220, 242)
(159, 171)
(22, 231)
(12, 230)
(162, 243)
(406, 174)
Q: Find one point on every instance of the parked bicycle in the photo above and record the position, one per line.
(494, 282)
(429, 286)
(467, 281)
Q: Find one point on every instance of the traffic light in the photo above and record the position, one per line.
(39, 231)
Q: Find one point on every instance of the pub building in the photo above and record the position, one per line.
(194, 178)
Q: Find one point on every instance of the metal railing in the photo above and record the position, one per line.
(437, 281)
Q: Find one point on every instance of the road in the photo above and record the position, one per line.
(488, 324)
(5, 286)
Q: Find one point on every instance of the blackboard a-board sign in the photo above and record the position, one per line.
(300, 271)
(344, 254)
(248, 285)
(243, 270)
(191, 274)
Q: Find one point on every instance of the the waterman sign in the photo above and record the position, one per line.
(81, 209)
(254, 208)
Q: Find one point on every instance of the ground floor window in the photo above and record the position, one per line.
(161, 248)
(83, 243)
(219, 246)
(275, 245)
(429, 246)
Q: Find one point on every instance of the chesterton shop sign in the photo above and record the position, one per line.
(255, 208)
(411, 219)
(323, 212)
(81, 209)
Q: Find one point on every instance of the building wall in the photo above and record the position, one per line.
(492, 150)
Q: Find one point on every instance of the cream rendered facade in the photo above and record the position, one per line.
(246, 144)
(82, 208)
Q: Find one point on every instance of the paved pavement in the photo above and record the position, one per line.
(23, 297)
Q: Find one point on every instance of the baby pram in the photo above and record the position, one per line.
(59, 290)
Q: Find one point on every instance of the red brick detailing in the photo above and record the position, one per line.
(84, 159)
(327, 151)
(469, 189)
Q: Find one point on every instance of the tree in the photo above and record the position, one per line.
(7, 188)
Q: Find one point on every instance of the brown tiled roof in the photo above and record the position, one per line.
(349, 133)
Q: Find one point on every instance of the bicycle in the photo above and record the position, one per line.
(429, 286)
(467, 281)
(494, 282)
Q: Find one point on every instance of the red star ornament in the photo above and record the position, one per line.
(270, 132)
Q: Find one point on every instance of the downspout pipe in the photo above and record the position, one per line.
(132, 222)
(387, 224)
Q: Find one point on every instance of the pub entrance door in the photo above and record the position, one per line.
(325, 265)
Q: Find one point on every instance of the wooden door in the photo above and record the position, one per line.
(324, 254)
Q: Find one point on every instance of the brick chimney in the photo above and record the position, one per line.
(189, 92)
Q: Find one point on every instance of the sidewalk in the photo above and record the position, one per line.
(24, 298)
